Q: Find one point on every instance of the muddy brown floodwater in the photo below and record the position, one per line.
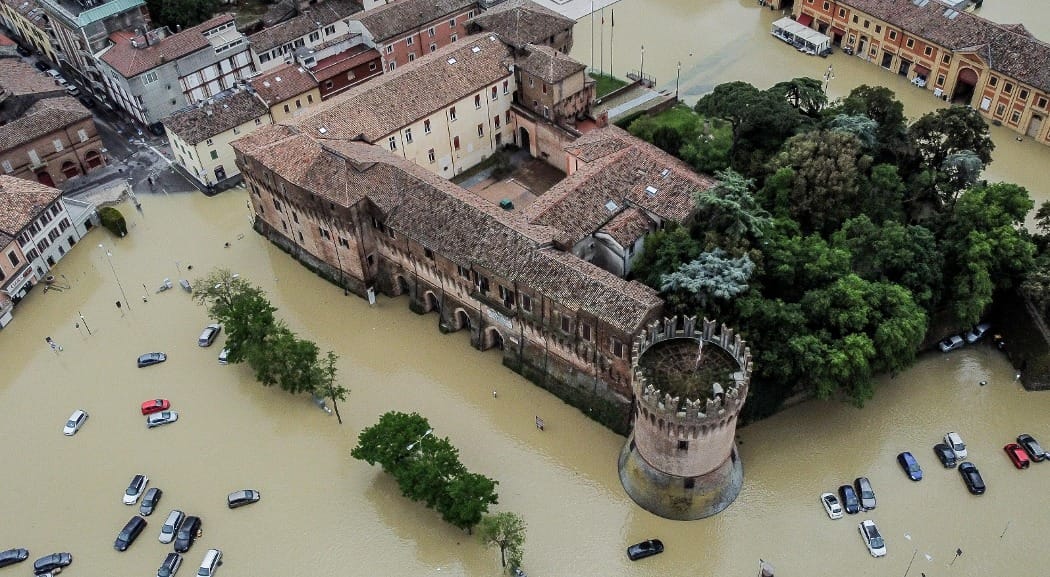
(722, 41)
(323, 513)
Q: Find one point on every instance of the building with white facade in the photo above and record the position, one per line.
(151, 75)
(319, 26)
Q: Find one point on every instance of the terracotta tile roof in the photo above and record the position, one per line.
(42, 118)
(521, 22)
(282, 83)
(624, 172)
(130, 61)
(5, 41)
(411, 92)
(338, 63)
(401, 16)
(17, 78)
(21, 201)
(579, 285)
(215, 116)
(549, 64)
(285, 32)
(1010, 50)
(628, 226)
(449, 220)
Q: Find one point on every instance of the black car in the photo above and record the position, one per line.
(187, 534)
(150, 359)
(149, 501)
(945, 455)
(43, 67)
(1031, 446)
(867, 494)
(242, 498)
(12, 556)
(910, 465)
(850, 502)
(170, 565)
(645, 549)
(129, 533)
(23, 50)
(972, 477)
(51, 562)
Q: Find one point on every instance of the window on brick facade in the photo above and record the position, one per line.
(82, 135)
(328, 84)
(392, 143)
(481, 130)
(477, 101)
(295, 217)
(390, 49)
(506, 86)
(430, 31)
(992, 81)
(428, 253)
(940, 80)
(1000, 109)
(470, 14)
(408, 41)
(565, 324)
(452, 23)
(842, 12)
(452, 113)
(392, 66)
(1015, 117)
(277, 205)
(323, 232)
(454, 37)
(11, 256)
(526, 303)
(372, 66)
(1008, 87)
(1041, 103)
(878, 28)
(508, 117)
(1023, 94)
(946, 59)
(616, 348)
(867, 23)
(495, 119)
(344, 243)
(463, 272)
(854, 18)
(928, 51)
(495, 93)
(430, 155)
(433, 47)
(585, 331)
(827, 6)
(455, 142)
(910, 43)
(411, 56)
(893, 34)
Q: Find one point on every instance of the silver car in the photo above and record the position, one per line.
(208, 335)
(161, 418)
(171, 526)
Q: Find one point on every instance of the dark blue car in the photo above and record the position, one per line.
(910, 465)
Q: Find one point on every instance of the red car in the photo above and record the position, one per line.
(157, 405)
(1017, 455)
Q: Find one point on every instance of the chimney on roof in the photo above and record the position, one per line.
(178, 28)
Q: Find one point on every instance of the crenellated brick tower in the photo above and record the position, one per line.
(680, 461)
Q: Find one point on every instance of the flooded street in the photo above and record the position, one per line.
(324, 514)
(729, 40)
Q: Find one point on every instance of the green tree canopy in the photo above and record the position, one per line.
(804, 94)
(711, 278)
(507, 532)
(177, 14)
(241, 307)
(945, 131)
(728, 215)
(664, 251)
(794, 264)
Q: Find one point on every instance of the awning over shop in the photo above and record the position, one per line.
(803, 38)
(836, 31)
(805, 19)
(921, 70)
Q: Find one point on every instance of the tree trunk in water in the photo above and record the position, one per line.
(503, 556)
(335, 406)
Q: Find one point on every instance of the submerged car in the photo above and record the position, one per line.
(977, 333)
(135, 489)
(75, 421)
(1031, 446)
(150, 359)
(872, 538)
(831, 505)
(211, 562)
(956, 444)
(224, 357)
(910, 465)
(1017, 455)
(155, 406)
(208, 335)
(951, 343)
(645, 549)
(972, 477)
(945, 455)
(866, 493)
(12, 556)
(187, 534)
(161, 418)
(850, 502)
(129, 533)
(171, 526)
(150, 501)
(51, 562)
(170, 566)
(241, 498)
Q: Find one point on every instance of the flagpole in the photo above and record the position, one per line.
(612, 28)
(592, 34)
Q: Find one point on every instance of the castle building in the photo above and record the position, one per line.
(523, 22)
(370, 219)
(1000, 70)
(404, 30)
(690, 383)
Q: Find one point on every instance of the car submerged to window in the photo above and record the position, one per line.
(187, 534)
(972, 477)
(150, 501)
(850, 502)
(135, 489)
(1017, 455)
(170, 566)
(977, 333)
(150, 359)
(866, 493)
(75, 421)
(956, 444)
(831, 505)
(129, 533)
(171, 526)
(51, 562)
(12, 556)
(945, 455)
(155, 406)
(645, 549)
(208, 335)
(910, 465)
(951, 343)
(872, 538)
(1031, 446)
(161, 418)
(241, 498)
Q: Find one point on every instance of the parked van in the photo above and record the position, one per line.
(212, 560)
(129, 533)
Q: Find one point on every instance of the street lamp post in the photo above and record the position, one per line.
(829, 75)
(109, 258)
(413, 444)
(677, 78)
(83, 320)
(641, 70)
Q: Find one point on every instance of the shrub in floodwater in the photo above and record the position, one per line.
(113, 220)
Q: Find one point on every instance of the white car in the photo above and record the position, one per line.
(171, 526)
(951, 343)
(135, 489)
(208, 335)
(211, 562)
(956, 444)
(161, 418)
(831, 505)
(977, 333)
(76, 420)
(872, 538)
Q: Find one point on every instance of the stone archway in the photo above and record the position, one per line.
(69, 169)
(462, 320)
(431, 302)
(524, 140)
(93, 159)
(401, 285)
(44, 178)
(965, 85)
(492, 339)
